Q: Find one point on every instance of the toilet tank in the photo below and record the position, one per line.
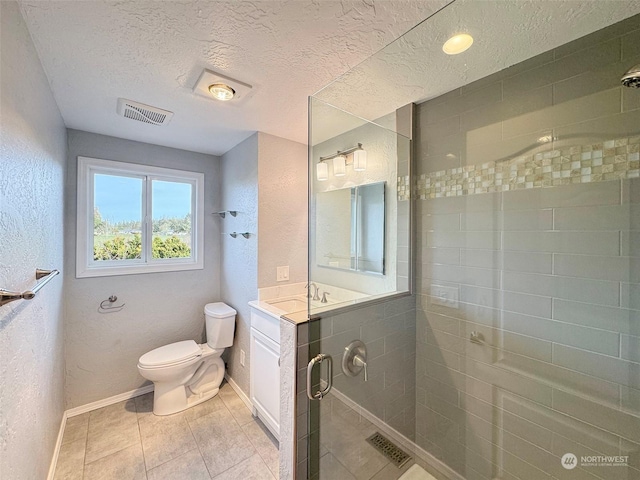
(220, 321)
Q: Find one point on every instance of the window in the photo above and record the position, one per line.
(137, 219)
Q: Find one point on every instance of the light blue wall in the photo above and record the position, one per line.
(32, 165)
(239, 267)
(102, 351)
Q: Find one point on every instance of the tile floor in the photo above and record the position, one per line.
(218, 439)
(345, 453)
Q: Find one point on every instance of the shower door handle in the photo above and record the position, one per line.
(319, 359)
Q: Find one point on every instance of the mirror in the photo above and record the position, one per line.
(350, 228)
(365, 256)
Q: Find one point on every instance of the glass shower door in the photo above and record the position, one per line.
(517, 356)
(359, 251)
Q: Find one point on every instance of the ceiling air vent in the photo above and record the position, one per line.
(143, 113)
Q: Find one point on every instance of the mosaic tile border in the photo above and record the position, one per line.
(404, 188)
(599, 162)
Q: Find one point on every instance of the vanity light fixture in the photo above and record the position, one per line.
(322, 171)
(221, 91)
(339, 165)
(457, 44)
(359, 162)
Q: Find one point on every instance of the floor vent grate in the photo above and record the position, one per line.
(395, 454)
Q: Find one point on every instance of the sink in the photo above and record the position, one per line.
(290, 305)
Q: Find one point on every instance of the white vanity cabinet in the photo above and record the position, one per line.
(265, 369)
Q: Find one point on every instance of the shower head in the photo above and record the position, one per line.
(632, 77)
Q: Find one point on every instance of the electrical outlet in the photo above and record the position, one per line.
(444, 296)
(242, 357)
(282, 274)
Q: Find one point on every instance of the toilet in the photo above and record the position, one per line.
(185, 373)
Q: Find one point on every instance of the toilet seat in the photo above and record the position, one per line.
(170, 355)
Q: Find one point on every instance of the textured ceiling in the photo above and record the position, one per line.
(414, 68)
(154, 51)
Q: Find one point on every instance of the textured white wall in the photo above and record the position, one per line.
(265, 179)
(102, 351)
(282, 209)
(33, 150)
(239, 259)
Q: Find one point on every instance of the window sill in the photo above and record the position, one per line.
(136, 269)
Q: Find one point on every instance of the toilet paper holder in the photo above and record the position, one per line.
(110, 307)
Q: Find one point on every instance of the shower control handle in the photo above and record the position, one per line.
(354, 359)
(358, 361)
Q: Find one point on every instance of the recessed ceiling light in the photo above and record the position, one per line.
(221, 91)
(457, 44)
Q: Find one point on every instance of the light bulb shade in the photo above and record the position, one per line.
(221, 92)
(339, 166)
(322, 171)
(360, 160)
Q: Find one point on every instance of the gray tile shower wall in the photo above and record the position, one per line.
(569, 96)
(546, 278)
(388, 330)
(557, 367)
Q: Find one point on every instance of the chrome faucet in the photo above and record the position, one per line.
(315, 295)
(324, 297)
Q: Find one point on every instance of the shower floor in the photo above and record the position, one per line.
(345, 453)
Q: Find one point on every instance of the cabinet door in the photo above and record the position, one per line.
(265, 379)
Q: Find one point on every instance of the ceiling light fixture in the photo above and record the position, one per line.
(457, 44)
(216, 86)
(221, 91)
(359, 162)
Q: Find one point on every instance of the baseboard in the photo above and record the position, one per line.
(392, 433)
(243, 396)
(109, 401)
(56, 450)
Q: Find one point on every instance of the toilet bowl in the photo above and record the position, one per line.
(185, 373)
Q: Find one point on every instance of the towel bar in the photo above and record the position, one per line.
(7, 296)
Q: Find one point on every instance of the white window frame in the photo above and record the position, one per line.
(86, 266)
